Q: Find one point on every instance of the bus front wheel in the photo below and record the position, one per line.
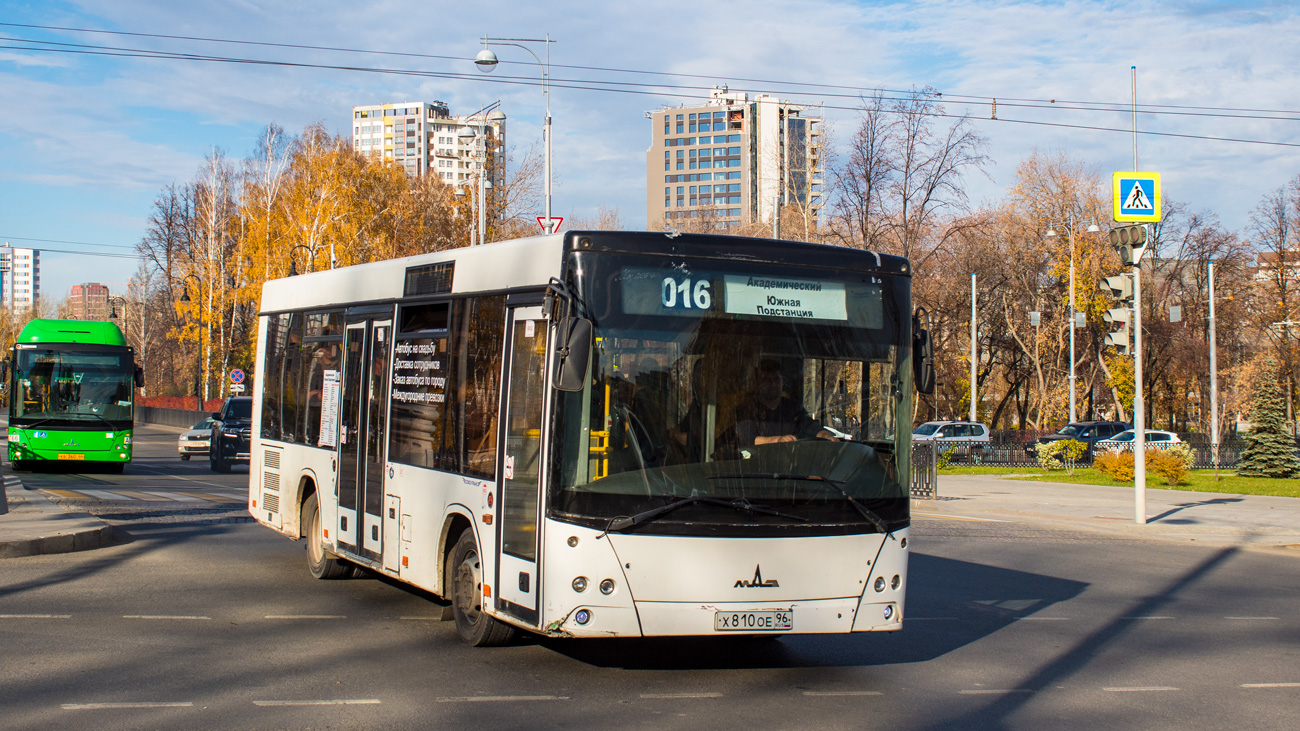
(19, 465)
(319, 562)
(465, 584)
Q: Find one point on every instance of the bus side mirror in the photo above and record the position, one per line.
(572, 351)
(4, 369)
(139, 377)
(923, 361)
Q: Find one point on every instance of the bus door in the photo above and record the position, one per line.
(363, 434)
(520, 465)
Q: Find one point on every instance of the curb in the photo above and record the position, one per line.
(45, 535)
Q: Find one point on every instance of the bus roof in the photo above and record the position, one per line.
(71, 331)
(533, 261)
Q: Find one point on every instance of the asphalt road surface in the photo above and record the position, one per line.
(200, 619)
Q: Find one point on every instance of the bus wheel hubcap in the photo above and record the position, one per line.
(467, 587)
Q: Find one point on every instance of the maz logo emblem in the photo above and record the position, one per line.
(72, 443)
(757, 581)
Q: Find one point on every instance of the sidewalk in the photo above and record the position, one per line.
(31, 525)
(1208, 518)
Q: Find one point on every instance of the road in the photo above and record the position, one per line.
(199, 619)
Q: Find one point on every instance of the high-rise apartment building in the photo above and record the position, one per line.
(89, 301)
(20, 278)
(425, 139)
(733, 160)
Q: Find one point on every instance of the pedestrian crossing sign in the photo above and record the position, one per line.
(1137, 197)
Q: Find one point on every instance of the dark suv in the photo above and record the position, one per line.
(1088, 432)
(231, 434)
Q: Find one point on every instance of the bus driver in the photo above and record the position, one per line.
(769, 417)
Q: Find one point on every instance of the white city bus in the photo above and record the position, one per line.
(601, 434)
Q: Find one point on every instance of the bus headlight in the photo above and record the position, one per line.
(607, 586)
(582, 616)
(880, 583)
(580, 584)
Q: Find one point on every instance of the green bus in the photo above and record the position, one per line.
(71, 394)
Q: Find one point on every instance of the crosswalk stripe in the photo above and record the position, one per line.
(103, 494)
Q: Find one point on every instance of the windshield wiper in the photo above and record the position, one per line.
(621, 524)
(866, 512)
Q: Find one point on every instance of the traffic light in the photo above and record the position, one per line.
(1119, 286)
(1131, 242)
(1122, 316)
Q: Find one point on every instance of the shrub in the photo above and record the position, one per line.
(1117, 464)
(1061, 453)
(1167, 464)
(946, 456)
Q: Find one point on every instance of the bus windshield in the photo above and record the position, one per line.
(768, 405)
(73, 386)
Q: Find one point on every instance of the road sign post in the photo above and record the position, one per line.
(1137, 199)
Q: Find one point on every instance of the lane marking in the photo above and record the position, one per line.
(1270, 685)
(503, 698)
(161, 616)
(991, 691)
(35, 616)
(966, 518)
(306, 616)
(663, 696)
(423, 619)
(1140, 689)
(1046, 619)
(832, 693)
(1251, 618)
(1148, 618)
(94, 706)
(332, 702)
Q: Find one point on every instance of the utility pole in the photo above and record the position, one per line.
(973, 343)
(1214, 382)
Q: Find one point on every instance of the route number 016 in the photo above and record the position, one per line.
(685, 295)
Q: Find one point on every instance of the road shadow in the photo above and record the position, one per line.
(1073, 659)
(1184, 506)
(950, 604)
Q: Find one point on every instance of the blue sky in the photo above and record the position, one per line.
(89, 141)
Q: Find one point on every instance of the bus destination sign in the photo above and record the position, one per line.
(675, 292)
(802, 299)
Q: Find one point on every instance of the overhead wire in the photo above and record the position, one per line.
(669, 90)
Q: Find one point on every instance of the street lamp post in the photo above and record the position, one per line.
(486, 61)
(293, 267)
(1051, 234)
(480, 120)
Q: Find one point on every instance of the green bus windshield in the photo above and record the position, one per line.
(72, 386)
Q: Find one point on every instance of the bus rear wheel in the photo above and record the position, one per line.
(320, 563)
(465, 584)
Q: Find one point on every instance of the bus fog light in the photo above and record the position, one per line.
(880, 583)
(894, 582)
(889, 611)
(580, 584)
(582, 616)
(607, 586)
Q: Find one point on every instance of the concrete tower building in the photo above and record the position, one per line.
(20, 278)
(733, 160)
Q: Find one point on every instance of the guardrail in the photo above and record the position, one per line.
(184, 418)
(925, 471)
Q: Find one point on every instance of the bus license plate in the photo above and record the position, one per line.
(72, 456)
(773, 621)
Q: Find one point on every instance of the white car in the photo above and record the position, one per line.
(948, 433)
(1155, 439)
(196, 440)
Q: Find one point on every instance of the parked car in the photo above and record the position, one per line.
(967, 435)
(231, 434)
(1088, 432)
(1155, 439)
(195, 441)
